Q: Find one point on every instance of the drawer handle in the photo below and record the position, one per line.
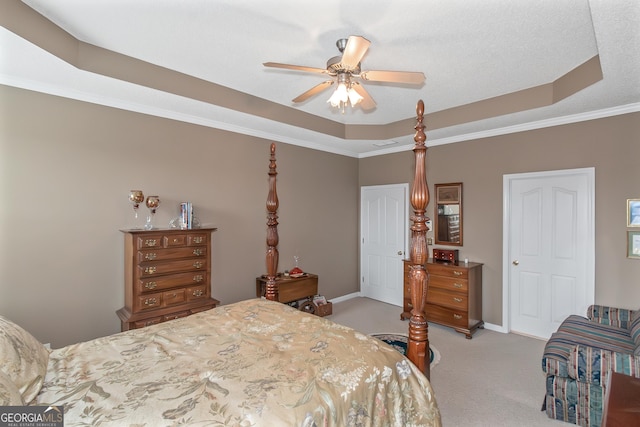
(457, 316)
(198, 252)
(456, 299)
(198, 278)
(150, 256)
(150, 301)
(198, 264)
(457, 285)
(176, 240)
(150, 270)
(409, 305)
(151, 285)
(198, 293)
(457, 273)
(198, 239)
(150, 242)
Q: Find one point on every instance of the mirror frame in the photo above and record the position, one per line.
(447, 194)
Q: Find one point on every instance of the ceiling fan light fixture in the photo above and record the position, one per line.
(345, 70)
(340, 96)
(344, 93)
(354, 97)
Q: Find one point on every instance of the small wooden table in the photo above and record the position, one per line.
(290, 289)
(622, 401)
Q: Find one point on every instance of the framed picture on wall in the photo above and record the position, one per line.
(633, 245)
(633, 212)
(450, 193)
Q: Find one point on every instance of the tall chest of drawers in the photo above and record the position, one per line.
(454, 295)
(167, 275)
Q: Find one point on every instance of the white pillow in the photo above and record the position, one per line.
(24, 359)
(9, 393)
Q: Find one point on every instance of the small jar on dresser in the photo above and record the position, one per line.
(167, 275)
(454, 295)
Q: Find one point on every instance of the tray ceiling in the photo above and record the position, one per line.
(492, 67)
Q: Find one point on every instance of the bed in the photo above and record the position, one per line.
(251, 363)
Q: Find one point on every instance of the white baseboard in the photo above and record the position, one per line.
(496, 328)
(346, 297)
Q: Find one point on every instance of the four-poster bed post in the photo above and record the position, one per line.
(418, 346)
(271, 291)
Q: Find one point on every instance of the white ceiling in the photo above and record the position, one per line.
(469, 51)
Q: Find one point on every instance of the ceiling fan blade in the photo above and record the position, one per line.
(313, 91)
(294, 67)
(409, 77)
(354, 51)
(367, 102)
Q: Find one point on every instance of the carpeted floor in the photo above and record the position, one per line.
(492, 380)
(399, 342)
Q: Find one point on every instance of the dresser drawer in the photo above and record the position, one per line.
(456, 300)
(174, 316)
(195, 239)
(449, 283)
(157, 268)
(149, 241)
(159, 283)
(175, 296)
(196, 292)
(446, 316)
(174, 240)
(147, 255)
(147, 322)
(149, 301)
(448, 270)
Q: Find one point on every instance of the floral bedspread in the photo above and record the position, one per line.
(252, 363)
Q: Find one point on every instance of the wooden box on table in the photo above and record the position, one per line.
(290, 289)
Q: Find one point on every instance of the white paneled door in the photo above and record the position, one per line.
(383, 240)
(549, 266)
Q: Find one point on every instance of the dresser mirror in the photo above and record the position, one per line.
(448, 215)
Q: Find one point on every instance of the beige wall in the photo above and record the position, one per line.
(67, 167)
(610, 145)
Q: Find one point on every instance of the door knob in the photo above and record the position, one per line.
(516, 262)
(400, 252)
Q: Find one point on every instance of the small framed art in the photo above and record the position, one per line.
(633, 212)
(633, 244)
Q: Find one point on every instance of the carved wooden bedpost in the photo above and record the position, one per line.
(271, 292)
(418, 347)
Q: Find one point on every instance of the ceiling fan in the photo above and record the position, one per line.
(345, 70)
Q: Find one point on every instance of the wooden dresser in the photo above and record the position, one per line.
(454, 296)
(167, 275)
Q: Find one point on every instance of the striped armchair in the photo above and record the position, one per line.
(579, 357)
